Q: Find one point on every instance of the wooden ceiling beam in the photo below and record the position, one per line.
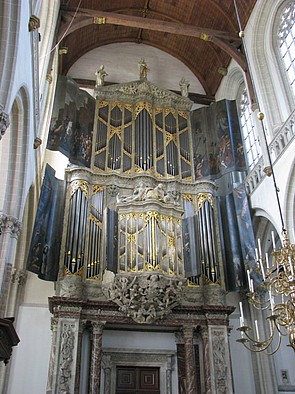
(227, 41)
(114, 18)
(152, 24)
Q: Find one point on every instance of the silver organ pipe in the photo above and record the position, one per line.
(94, 238)
(75, 238)
(205, 217)
(114, 142)
(210, 240)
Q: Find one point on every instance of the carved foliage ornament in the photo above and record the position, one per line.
(66, 357)
(10, 224)
(144, 297)
(4, 121)
(219, 357)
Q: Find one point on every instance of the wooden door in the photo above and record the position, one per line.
(137, 380)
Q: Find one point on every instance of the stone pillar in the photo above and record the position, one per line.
(10, 228)
(190, 364)
(54, 324)
(221, 381)
(107, 380)
(107, 369)
(79, 356)
(96, 356)
(4, 121)
(168, 380)
(67, 353)
(206, 357)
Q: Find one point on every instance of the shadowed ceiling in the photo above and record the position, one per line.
(202, 34)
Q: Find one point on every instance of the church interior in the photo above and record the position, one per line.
(147, 222)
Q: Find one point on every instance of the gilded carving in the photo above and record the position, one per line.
(203, 197)
(97, 189)
(99, 20)
(34, 23)
(188, 197)
(75, 185)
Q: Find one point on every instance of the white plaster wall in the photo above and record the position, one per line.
(263, 200)
(30, 359)
(242, 369)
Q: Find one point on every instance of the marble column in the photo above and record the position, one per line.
(190, 365)
(10, 228)
(79, 356)
(206, 357)
(96, 356)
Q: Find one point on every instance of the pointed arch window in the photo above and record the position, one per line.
(251, 142)
(286, 34)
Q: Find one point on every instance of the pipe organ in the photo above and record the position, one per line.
(142, 138)
(139, 211)
(140, 245)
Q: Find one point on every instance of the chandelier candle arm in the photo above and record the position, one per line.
(257, 330)
(242, 319)
(291, 266)
(267, 261)
(273, 240)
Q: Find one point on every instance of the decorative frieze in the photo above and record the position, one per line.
(145, 90)
(4, 121)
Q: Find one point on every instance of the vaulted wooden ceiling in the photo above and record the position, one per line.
(203, 34)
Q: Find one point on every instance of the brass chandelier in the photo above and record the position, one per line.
(274, 295)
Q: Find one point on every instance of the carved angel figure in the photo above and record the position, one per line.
(143, 70)
(184, 85)
(100, 76)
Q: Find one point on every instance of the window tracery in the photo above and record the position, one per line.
(251, 142)
(286, 42)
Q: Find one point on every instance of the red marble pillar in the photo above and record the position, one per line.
(190, 364)
(95, 365)
(78, 358)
